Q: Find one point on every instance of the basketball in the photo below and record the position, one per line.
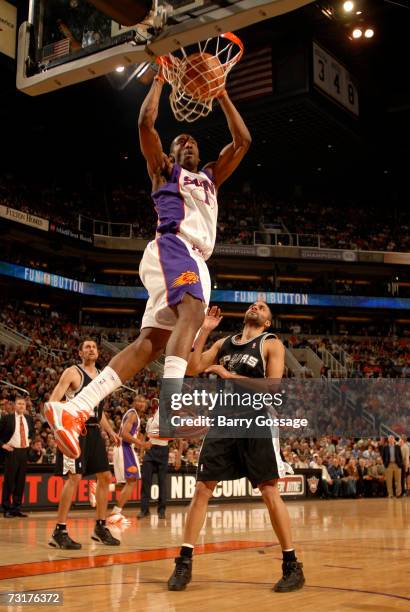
(204, 76)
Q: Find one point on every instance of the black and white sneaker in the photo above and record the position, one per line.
(182, 574)
(103, 534)
(61, 539)
(292, 579)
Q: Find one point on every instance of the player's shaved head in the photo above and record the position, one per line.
(184, 149)
(259, 313)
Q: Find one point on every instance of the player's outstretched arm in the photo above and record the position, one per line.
(198, 361)
(150, 142)
(231, 155)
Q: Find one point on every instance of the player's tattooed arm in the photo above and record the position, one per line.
(150, 141)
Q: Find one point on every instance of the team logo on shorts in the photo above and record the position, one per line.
(186, 278)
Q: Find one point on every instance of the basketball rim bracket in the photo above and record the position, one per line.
(166, 29)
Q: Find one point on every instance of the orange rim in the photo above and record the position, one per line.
(235, 39)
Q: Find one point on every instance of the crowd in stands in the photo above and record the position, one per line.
(350, 467)
(54, 346)
(241, 213)
(366, 358)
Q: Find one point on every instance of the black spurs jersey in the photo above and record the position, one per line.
(85, 380)
(244, 358)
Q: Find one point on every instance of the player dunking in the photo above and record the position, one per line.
(173, 267)
(254, 353)
(93, 458)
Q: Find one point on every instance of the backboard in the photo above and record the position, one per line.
(69, 41)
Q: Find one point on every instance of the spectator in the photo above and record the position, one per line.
(36, 452)
(15, 432)
(349, 478)
(377, 472)
(336, 474)
(393, 462)
(326, 480)
(405, 453)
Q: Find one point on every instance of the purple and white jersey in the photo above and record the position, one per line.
(187, 205)
(135, 426)
(126, 463)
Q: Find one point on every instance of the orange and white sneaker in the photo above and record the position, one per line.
(91, 494)
(117, 519)
(67, 422)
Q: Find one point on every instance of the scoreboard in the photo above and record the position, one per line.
(334, 80)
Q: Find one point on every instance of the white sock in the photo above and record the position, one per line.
(104, 384)
(175, 367)
(116, 510)
(111, 487)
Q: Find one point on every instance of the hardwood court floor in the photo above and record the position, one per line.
(356, 556)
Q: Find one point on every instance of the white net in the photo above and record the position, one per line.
(199, 78)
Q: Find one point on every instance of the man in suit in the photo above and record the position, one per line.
(393, 462)
(405, 471)
(16, 429)
(155, 460)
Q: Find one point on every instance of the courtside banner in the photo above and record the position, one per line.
(309, 299)
(227, 407)
(22, 217)
(49, 279)
(43, 490)
(63, 230)
(42, 277)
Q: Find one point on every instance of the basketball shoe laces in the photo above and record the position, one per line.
(80, 424)
(181, 568)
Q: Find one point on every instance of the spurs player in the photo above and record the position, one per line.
(173, 267)
(93, 457)
(252, 353)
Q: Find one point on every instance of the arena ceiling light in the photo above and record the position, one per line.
(357, 33)
(348, 6)
(120, 69)
(369, 33)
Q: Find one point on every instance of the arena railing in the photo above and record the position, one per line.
(275, 238)
(109, 229)
(6, 383)
(98, 227)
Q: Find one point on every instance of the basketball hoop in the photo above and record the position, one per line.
(199, 77)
